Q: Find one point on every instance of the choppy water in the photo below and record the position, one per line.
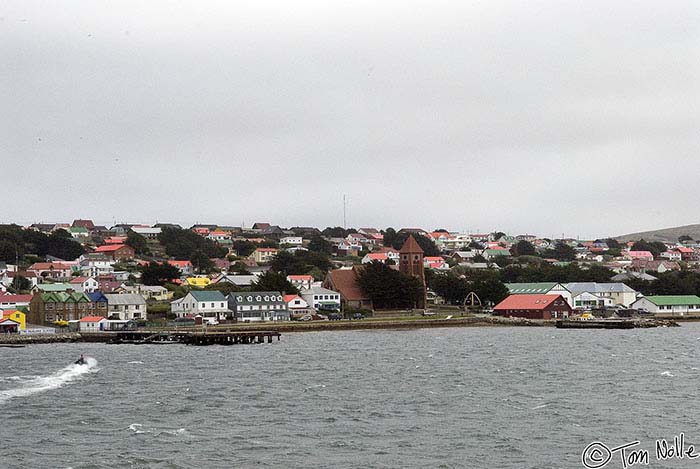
(462, 397)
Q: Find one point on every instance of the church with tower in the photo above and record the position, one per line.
(411, 263)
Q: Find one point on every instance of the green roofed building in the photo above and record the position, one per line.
(669, 305)
(212, 306)
(47, 307)
(540, 288)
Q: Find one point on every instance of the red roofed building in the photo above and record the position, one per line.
(92, 324)
(643, 255)
(51, 269)
(8, 301)
(534, 307)
(118, 252)
(184, 266)
(302, 282)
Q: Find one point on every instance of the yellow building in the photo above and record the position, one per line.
(199, 282)
(17, 316)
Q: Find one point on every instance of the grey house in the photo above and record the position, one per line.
(258, 306)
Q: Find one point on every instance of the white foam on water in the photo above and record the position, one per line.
(136, 363)
(136, 428)
(56, 380)
(667, 373)
(539, 407)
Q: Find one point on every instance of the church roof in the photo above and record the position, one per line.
(411, 245)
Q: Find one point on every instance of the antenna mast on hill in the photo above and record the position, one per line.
(344, 213)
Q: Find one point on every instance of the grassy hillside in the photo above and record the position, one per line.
(666, 234)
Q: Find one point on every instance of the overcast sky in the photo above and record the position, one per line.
(544, 117)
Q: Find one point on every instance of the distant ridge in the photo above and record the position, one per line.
(667, 234)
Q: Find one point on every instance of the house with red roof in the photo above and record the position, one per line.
(92, 324)
(301, 282)
(117, 252)
(435, 263)
(534, 307)
(375, 257)
(184, 266)
(52, 269)
(296, 304)
(85, 284)
(639, 255)
(8, 301)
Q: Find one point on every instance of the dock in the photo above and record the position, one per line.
(183, 337)
(612, 323)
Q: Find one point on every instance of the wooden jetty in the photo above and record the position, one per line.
(184, 337)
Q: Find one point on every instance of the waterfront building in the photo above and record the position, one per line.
(669, 305)
(126, 306)
(59, 306)
(258, 306)
(540, 288)
(619, 293)
(541, 306)
(211, 305)
(322, 299)
(17, 316)
(92, 324)
(344, 281)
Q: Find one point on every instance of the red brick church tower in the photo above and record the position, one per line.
(411, 263)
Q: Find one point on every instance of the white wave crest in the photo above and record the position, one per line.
(56, 380)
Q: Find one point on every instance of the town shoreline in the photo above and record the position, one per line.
(316, 326)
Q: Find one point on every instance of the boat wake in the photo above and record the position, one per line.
(38, 384)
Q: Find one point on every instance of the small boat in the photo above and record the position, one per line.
(12, 345)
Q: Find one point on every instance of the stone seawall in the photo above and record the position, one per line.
(19, 339)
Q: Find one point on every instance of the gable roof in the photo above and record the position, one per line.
(345, 282)
(125, 299)
(528, 302)
(112, 247)
(208, 295)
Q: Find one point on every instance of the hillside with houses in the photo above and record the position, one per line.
(55, 275)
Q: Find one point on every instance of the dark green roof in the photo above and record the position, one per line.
(213, 295)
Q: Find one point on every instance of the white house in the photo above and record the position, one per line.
(322, 299)
(126, 305)
(586, 300)
(85, 284)
(301, 282)
(619, 293)
(669, 305)
(295, 303)
(92, 324)
(211, 305)
(292, 241)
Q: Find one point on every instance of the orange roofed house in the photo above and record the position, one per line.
(118, 252)
(534, 307)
